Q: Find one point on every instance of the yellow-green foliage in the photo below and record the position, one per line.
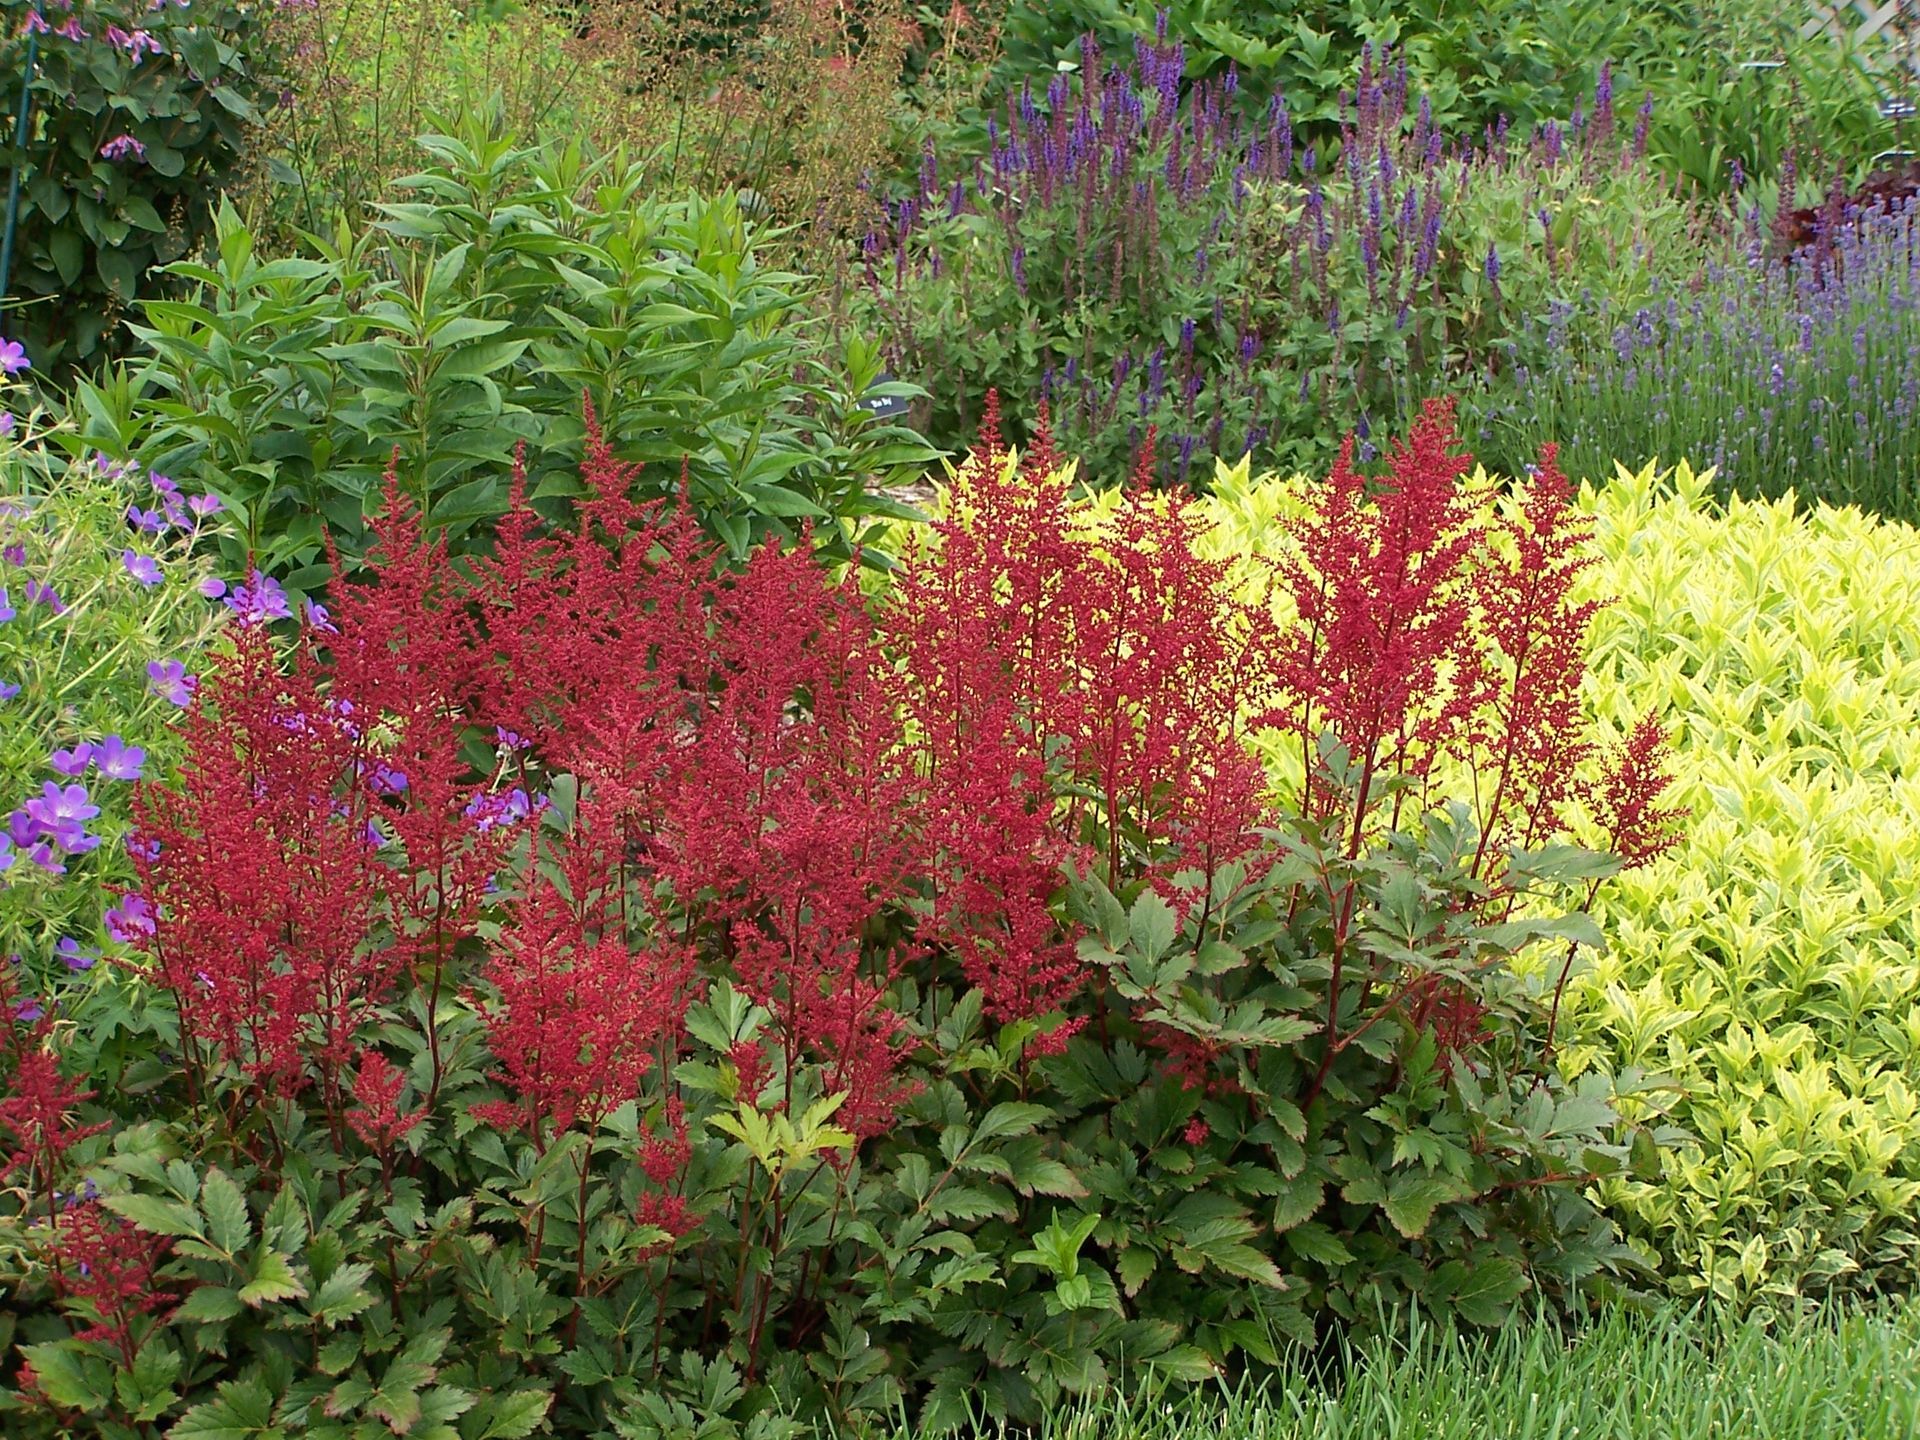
(1770, 966)
(1773, 965)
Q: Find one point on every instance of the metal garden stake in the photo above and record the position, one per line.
(19, 163)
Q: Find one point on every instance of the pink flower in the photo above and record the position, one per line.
(136, 44)
(122, 147)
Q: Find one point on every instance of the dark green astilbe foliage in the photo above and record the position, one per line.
(502, 287)
(129, 148)
(1031, 1230)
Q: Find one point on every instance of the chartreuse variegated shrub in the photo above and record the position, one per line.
(1770, 966)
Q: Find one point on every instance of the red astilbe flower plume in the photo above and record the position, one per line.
(1626, 799)
(400, 665)
(36, 1116)
(1045, 656)
(262, 875)
(793, 807)
(1169, 658)
(1384, 654)
(103, 1269)
(1531, 737)
(574, 1018)
(984, 640)
(376, 1117)
(606, 616)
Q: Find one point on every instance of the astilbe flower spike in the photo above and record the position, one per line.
(103, 1269)
(376, 1117)
(36, 1113)
(573, 1017)
(401, 648)
(981, 634)
(1533, 722)
(794, 809)
(1626, 799)
(257, 877)
(1384, 655)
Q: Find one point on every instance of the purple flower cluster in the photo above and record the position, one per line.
(171, 510)
(52, 825)
(489, 809)
(1193, 271)
(1800, 374)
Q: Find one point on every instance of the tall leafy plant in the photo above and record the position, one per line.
(503, 289)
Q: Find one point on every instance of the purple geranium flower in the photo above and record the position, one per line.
(62, 812)
(118, 760)
(259, 600)
(170, 681)
(41, 593)
(213, 587)
(8, 690)
(143, 568)
(204, 505)
(130, 920)
(7, 612)
(487, 811)
(72, 762)
(318, 618)
(13, 357)
(76, 958)
(151, 522)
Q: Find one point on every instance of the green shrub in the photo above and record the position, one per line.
(83, 623)
(141, 115)
(500, 291)
(1771, 966)
(1768, 967)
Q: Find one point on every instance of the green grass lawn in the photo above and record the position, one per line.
(1628, 1377)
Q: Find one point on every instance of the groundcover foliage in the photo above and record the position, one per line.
(596, 989)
